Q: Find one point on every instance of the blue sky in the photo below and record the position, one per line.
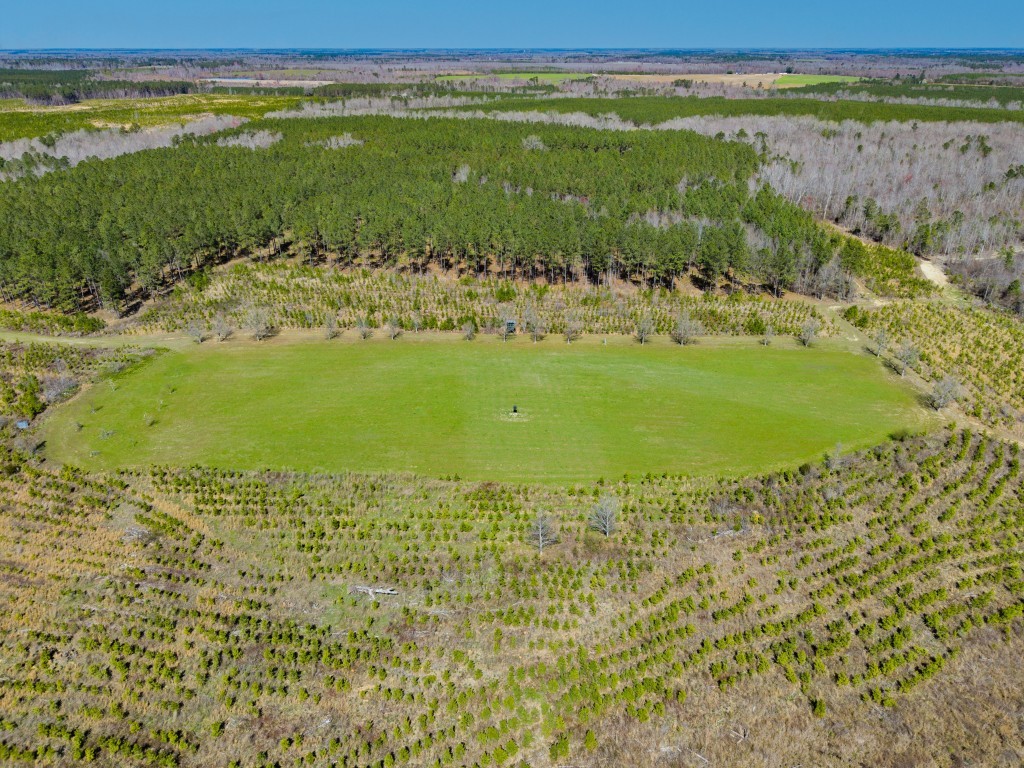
(517, 23)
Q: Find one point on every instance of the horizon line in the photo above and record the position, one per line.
(659, 49)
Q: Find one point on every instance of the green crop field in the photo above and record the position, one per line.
(793, 80)
(443, 407)
(17, 121)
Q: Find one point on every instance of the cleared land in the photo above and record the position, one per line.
(23, 121)
(441, 407)
(749, 80)
(259, 82)
(795, 81)
(291, 73)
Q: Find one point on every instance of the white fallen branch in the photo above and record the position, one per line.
(374, 591)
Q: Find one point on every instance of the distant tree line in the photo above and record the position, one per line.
(563, 202)
(998, 281)
(911, 90)
(69, 86)
(932, 188)
(659, 109)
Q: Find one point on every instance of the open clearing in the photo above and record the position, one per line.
(255, 82)
(443, 407)
(749, 80)
(934, 273)
(795, 81)
(26, 121)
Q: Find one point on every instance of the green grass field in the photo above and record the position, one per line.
(17, 121)
(795, 80)
(442, 407)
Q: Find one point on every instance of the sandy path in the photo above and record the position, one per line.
(934, 273)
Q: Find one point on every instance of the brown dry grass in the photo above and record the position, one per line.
(971, 717)
(237, 587)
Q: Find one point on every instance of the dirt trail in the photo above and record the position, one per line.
(933, 272)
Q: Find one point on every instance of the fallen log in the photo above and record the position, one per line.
(374, 591)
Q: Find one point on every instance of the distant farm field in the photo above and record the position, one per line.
(444, 407)
(745, 79)
(749, 80)
(18, 120)
(795, 81)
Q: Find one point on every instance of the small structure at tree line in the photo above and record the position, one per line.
(510, 326)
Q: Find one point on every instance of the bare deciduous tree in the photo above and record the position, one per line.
(222, 328)
(196, 331)
(686, 329)
(844, 173)
(908, 355)
(534, 324)
(644, 329)
(468, 330)
(808, 331)
(250, 140)
(533, 142)
(953, 174)
(394, 328)
(257, 321)
(73, 147)
(945, 392)
(604, 517)
(542, 532)
(364, 328)
(339, 142)
(573, 328)
(834, 458)
(331, 327)
(881, 339)
(767, 336)
(507, 318)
